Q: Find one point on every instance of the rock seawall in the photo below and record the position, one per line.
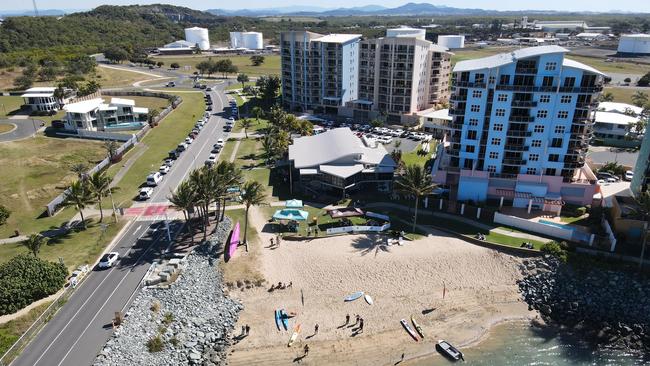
(190, 322)
(606, 307)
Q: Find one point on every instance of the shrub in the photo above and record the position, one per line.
(155, 344)
(555, 249)
(155, 306)
(4, 214)
(627, 80)
(25, 279)
(168, 318)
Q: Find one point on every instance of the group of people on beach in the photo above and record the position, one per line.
(358, 323)
(281, 286)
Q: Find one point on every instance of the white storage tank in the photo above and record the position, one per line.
(200, 36)
(638, 44)
(406, 32)
(452, 41)
(253, 40)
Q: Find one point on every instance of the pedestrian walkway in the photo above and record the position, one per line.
(141, 149)
(15, 239)
(233, 155)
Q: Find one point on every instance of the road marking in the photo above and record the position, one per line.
(138, 228)
(78, 310)
(108, 298)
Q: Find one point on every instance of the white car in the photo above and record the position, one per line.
(164, 169)
(108, 260)
(629, 175)
(212, 158)
(145, 193)
(189, 140)
(153, 179)
(219, 143)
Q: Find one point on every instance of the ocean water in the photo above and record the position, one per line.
(518, 344)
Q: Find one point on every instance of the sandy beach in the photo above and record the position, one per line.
(403, 281)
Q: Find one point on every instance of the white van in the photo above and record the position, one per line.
(153, 179)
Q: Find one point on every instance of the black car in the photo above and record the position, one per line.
(173, 154)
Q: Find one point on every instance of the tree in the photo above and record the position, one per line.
(644, 80)
(606, 97)
(160, 64)
(152, 114)
(639, 98)
(78, 196)
(225, 67)
(24, 82)
(59, 94)
(229, 176)
(99, 185)
(257, 60)
(34, 243)
(376, 123)
(202, 182)
(175, 65)
(243, 79)
(305, 128)
(205, 67)
(4, 215)
(89, 88)
(111, 147)
(48, 73)
(80, 170)
(415, 181)
(613, 168)
(116, 54)
(252, 194)
(257, 112)
(269, 86)
(246, 124)
(184, 199)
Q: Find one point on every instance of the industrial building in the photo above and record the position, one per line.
(634, 44)
(96, 115)
(319, 72)
(451, 41)
(198, 36)
(178, 48)
(246, 40)
(520, 128)
(398, 77)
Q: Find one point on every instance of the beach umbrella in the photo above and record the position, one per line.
(293, 204)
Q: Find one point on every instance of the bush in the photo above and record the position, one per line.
(155, 344)
(644, 80)
(25, 279)
(168, 318)
(627, 80)
(4, 214)
(555, 249)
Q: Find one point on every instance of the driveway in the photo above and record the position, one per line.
(24, 128)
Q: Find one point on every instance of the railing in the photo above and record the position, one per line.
(524, 103)
(514, 162)
(519, 133)
(526, 88)
(525, 70)
(521, 119)
(465, 84)
(515, 148)
(583, 89)
(503, 175)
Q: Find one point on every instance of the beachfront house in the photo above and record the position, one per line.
(40, 99)
(96, 115)
(617, 121)
(337, 162)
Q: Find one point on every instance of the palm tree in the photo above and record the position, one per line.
(643, 210)
(111, 147)
(34, 243)
(606, 97)
(243, 79)
(201, 183)
(184, 199)
(257, 112)
(78, 196)
(417, 182)
(229, 176)
(639, 98)
(99, 185)
(246, 124)
(252, 194)
(80, 170)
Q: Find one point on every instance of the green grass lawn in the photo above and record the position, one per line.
(624, 95)
(9, 104)
(13, 329)
(249, 154)
(412, 157)
(237, 86)
(148, 102)
(227, 150)
(256, 125)
(271, 65)
(324, 221)
(39, 170)
(113, 78)
(159, 140)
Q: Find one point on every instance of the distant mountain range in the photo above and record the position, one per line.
(368, 10)
(43, 12)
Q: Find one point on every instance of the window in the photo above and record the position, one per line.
(475, 108)
(496, 141)
(536, 143)
(539, 128)
(556, 142)
(469, 164)
(565, 99)
(533, 157)
(569, 82)
(544, 98)
(476, 94)
(492, 79)
(502, 97)
(494, 155)
(554, 158)
(547, 81)
(562, 114)
(550, 66)
(473, 122)
(498, 127)
(471, 135)
(500, 112)
(470, 148)
(559, 129)
(479, 78)
(542, 113)
(492, 169)
(550, 171)
(505, 79)
(531, 171)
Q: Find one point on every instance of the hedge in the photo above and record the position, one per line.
(25, 279)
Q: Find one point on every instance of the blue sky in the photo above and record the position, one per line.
(574, 5)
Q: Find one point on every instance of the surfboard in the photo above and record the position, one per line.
(408, 329)
(417, 326)
(294, 336)
(278, 323)
(234, 240)
(285, 319)
(353, 296)
(368, 299)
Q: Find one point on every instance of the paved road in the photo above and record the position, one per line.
(79, 330)
(604, 154)
(24, 128)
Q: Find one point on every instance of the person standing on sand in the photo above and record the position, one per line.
(248, 329)
(306, 350)
(316, 329)
(361, 326)
(347, 319)
(357, 319)
(271, 242)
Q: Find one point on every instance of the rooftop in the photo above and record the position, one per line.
(37, 95)
(637, 35)
(439, 114)
(338, 38)
(619, 107)
(579, 65)
(41, 89)
(614, 118)
(121, 101)
(506, 58)
(84, 106)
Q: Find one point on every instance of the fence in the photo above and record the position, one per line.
(93, 135)
(357, 228)
(547, 229)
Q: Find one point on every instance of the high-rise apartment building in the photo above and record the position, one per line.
(319, 72)
(521, 123)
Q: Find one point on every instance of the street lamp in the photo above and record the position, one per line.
(110, 194)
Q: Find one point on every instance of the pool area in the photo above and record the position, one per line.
(125, 126)
(555, 224)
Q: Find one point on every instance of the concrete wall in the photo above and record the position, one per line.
(535, 227)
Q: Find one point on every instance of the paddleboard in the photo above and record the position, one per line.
(353, 296)
(368, 299)
(417, 326)
(285, 319)
(294, 336)
(409, 330)
(278, 322)
(234, 240)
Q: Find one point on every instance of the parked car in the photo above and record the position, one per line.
(154, 178)
(108, 260)
(215, 149)
(181, 147)
(164, 169)
(629, 175)
(173, 154)
(208, 89)
(145, 193)
(171, 84)
(212, 158)
(169, 162)
(220, 143)
(208, 107)
(607, 176)
(189, 140)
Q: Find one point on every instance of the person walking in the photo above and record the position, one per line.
(357, 319)
(271, 242)
(248, 329)
(316, 329)
(306, 350)
(347, 319)
(361, 326)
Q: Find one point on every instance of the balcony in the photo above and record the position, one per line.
(512, 133)
(582, 89)
(465, 84)
(526, 119)
(526, 88)
(503, 175)
(514, 162)
(515, 148)
(524, 103)
(526, 70)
